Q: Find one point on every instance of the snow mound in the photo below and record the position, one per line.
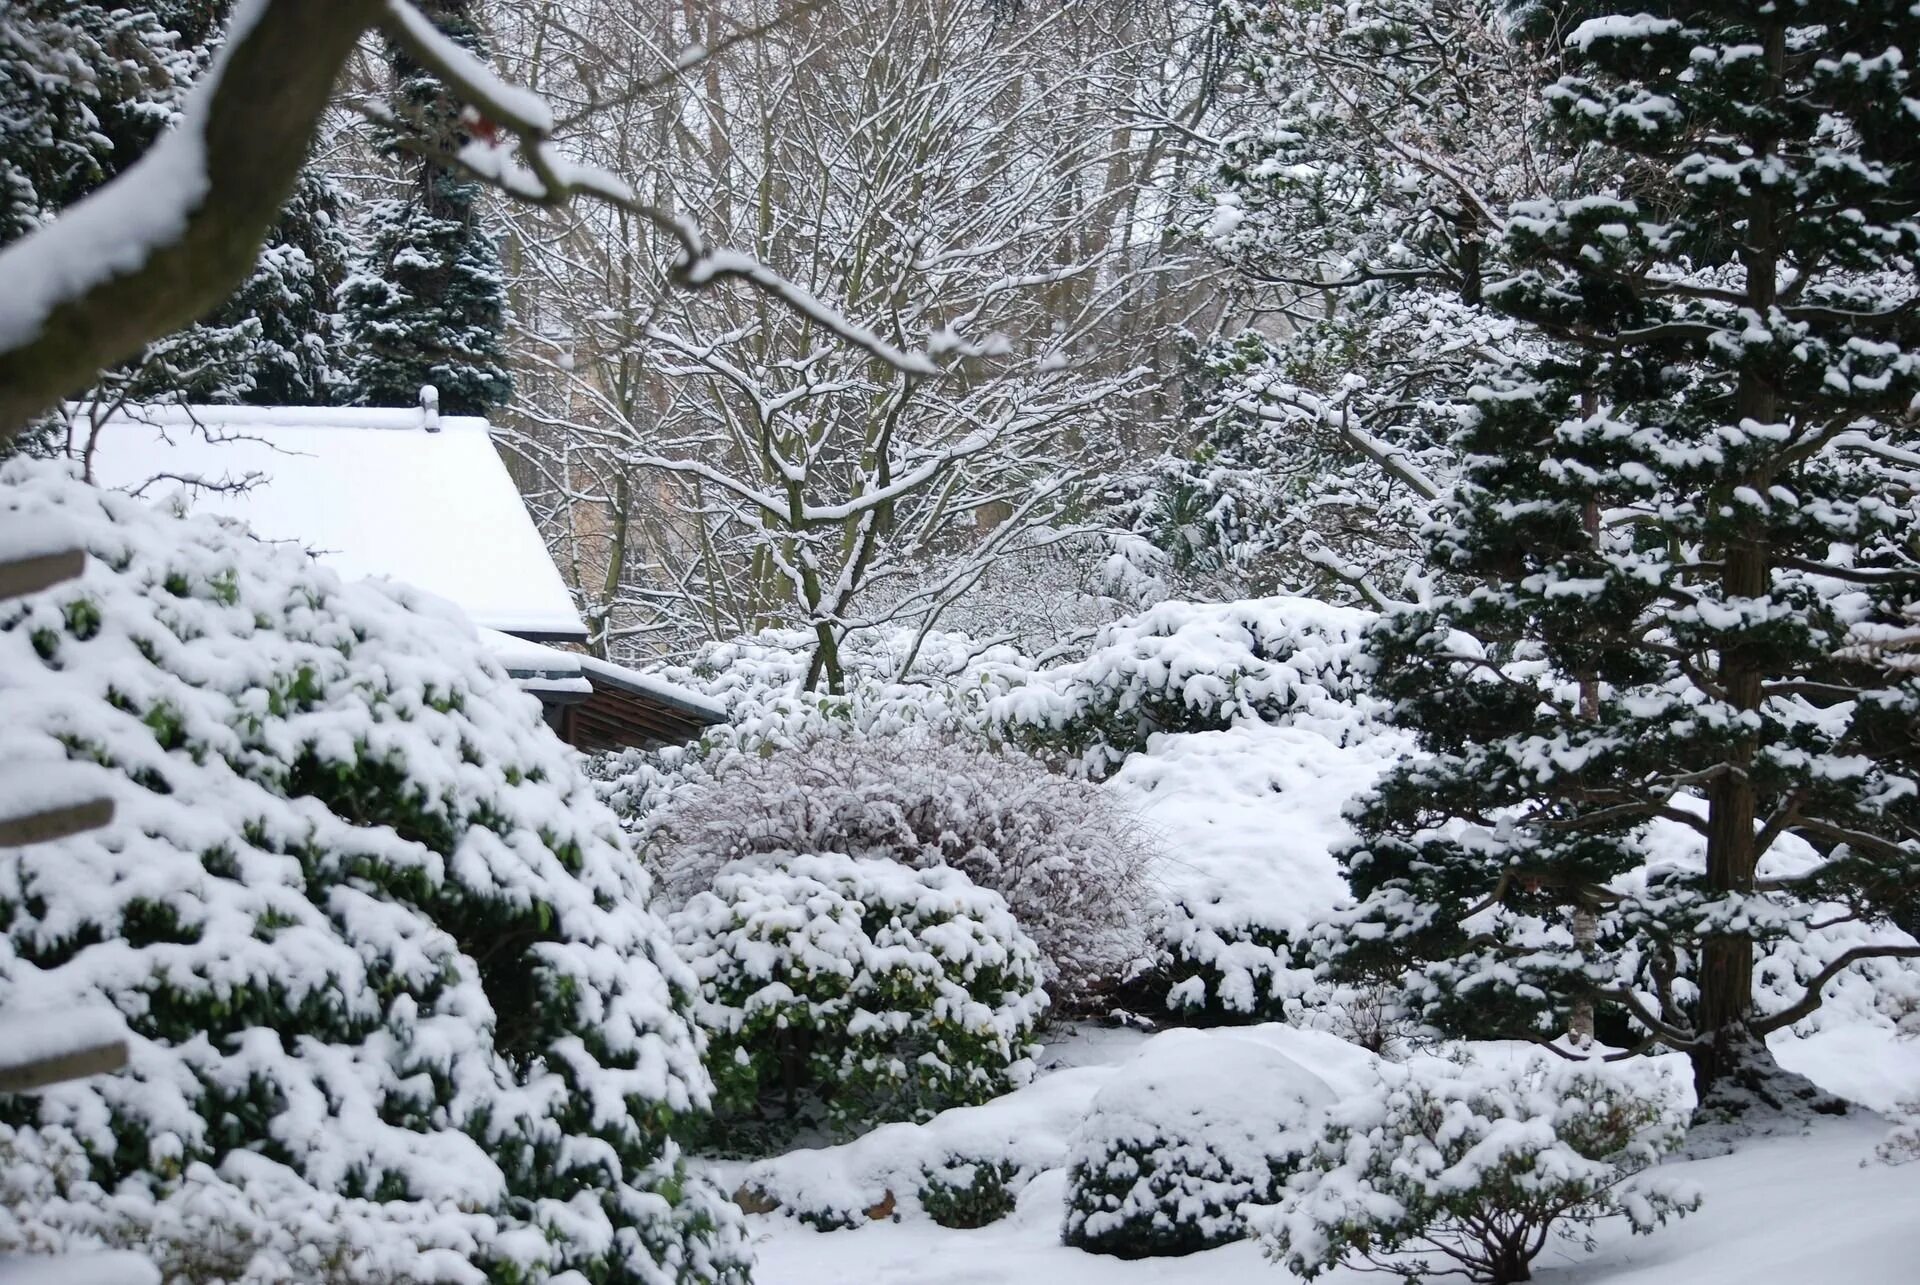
(394, 993)
(1248, 820)
(1015, 1137)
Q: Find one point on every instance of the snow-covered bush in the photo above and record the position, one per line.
(970, 1193)
(1193, 1128)
(1189, 667)
(1069, 857)
(842, 991)
(758, 681)
(396, 998)
(1902, 1143)
(1452, 1169)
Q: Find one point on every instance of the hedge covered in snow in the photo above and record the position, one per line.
(1071, 859)
(840, 991)
(396, 1000)
(1180, 1138)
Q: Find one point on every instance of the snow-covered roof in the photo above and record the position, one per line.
(371, 492)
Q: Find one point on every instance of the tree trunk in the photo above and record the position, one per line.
(1726, 961)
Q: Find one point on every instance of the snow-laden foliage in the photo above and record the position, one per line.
(1284, 737)
(398, 1007)
(1183, 1136)
(1070, 858)
(1301, 478)
(1902, 1143)
(85, 90)
(1457, 1169)
(759, 682)
(844, 991)
(1188, 667)
(426, 301)
(1685, 530)
(1366, 151)
(1376, 144)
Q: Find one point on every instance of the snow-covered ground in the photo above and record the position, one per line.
(1807, 1210)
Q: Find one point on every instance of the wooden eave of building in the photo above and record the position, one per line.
(617, 714)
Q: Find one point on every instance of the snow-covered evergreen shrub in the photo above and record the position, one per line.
(1451, 1169)
(1195, 1127)
(1070, 858)
(842, 991)
(1189, 667)
(396, 997)
(967, 1194)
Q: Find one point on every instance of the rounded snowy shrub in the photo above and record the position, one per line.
(1189, 667)
(838, 991)
(1196, 1126)
(968, 1194)
(1070, 860)
(395, 996)
(1453, 1170)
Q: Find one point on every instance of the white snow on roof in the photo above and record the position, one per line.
(371, 492)
(537, 667)
(549, 669)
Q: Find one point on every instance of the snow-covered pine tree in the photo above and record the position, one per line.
(426, 303)
(1684, 528)
(286, 308)
(84, 87)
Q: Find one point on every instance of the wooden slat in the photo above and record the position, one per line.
(55, 823)
(75, 1064)
(613, 719)
(31, 575)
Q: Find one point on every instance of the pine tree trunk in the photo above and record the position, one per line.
(1726, 961)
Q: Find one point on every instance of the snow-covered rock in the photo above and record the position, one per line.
(1014, 1138)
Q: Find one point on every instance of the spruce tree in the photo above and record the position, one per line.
(285, 313)
(84, 88)
(427, 303)
(1688, 540)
